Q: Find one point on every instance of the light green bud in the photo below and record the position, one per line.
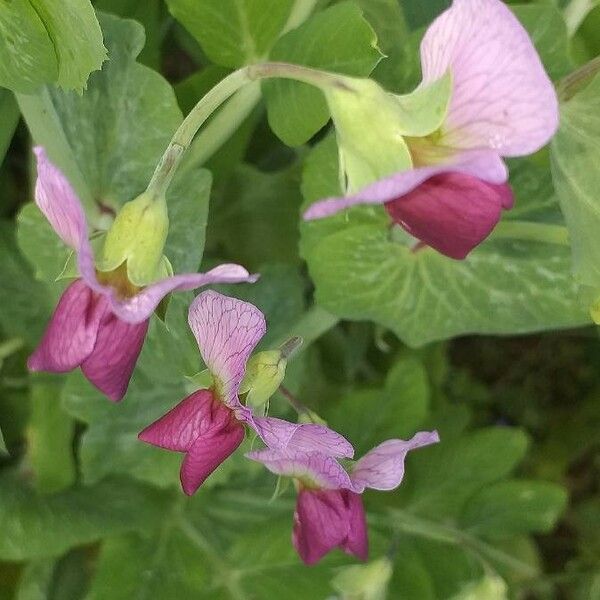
(137, 237)
(371, 125)
(264, 373)
(364, 582)
(491, 587)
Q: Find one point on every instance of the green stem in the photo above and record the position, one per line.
(532, 232)
(576, 12)
(310, 327)
(572, 83)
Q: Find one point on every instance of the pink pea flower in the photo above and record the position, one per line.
(329, 510)
(101, 319)
(502, 104)
(209, 424)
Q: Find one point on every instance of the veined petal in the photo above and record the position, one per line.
(484, 165)
(502, 98)
(452, 212)
(111, 363)
(383, 467)
(227, 331)
(278, 434)
(71, 334)
(207, 453)
(58, 201)
(313, 469)
(186, 422)
(357, 541)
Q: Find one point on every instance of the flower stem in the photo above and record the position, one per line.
(575, 13)
(532, 232)
(572, 83)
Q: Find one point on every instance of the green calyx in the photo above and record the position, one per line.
(369, 581)
(137, 237)
(371, 125)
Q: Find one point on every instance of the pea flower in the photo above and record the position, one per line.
(329, 510)
(102, 317)
(433, 158)
(210, 424)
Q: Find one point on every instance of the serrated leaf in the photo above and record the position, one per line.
(233, 32)
(337, 39)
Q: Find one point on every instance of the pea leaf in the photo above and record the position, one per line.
(362, 268)
(336, 39)
(46, 41)
(233, 32)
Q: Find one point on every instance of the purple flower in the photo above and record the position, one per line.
(502, 104)
(209, 424)
(329, 511)
(101, 319)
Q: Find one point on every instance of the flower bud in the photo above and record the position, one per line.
(371, 124)
(137, 237)
(364, 582)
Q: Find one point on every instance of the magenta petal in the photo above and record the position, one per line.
(278, 434)
(227, 331)
(452, 212)
(383, 467)
(484, 165)
(183, 424)
(57, 200)
(357, 541)
(502, 97)
(321, 523)
(207, 453)
(71, 334)
(111, 363)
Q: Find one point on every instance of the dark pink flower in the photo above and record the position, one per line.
(101, 320)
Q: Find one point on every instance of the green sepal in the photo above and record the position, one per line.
(138, 236)
(264, 373)
(368, 581)
(202, 380)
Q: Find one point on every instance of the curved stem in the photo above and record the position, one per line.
(532, 232)
(576, 12)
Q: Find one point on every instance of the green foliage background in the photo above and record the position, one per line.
(395, 341)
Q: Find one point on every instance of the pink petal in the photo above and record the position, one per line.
(357, 541)
(227, 331)
(452, 212)
(186, 422)
(314, 469)
(207, 453)
(57, 200)
(71, 334)
(502, 98)
(484, 165)
(321, 523)
(383, 467)
(278, 434)
(111, 363)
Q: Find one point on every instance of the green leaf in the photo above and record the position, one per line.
(36, 526)
(513, 507)
(336, 39)
(575, 154)
(364, 269)
(46, 41)
(233, 32)
(10, 119)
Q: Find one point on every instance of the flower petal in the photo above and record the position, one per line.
(186, 422)
(383, 467)
(278, 434)
(111, 363)
(484, 165)
(58, 201)
(357, 541)
(207, 453)
(321, 523)
(227, 331)
(502, 98)
(452, 212)
(71, 334)
(314, 469)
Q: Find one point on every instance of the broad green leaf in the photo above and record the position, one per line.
(514, 507)
(233, 32)
(364, 269)
(337, 39)
(36, 526)
(575, 153)
(50, 439)
(419, 14)
(10, 118)
(46, 41)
